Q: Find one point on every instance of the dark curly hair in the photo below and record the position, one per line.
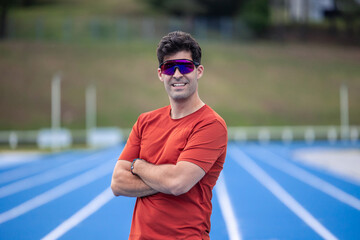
(178, 41)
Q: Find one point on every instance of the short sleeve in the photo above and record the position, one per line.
(205, 145)
(132, 147)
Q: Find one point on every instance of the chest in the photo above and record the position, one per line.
(164, 144)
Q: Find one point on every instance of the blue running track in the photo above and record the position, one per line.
(262, 193)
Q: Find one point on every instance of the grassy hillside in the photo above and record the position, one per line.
(248, 84)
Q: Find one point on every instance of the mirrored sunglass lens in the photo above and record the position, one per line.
(185, 68)
(168, 68)
(183, 65)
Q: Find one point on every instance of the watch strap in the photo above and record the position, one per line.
(132, 165)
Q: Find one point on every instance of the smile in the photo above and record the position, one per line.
(178, 84)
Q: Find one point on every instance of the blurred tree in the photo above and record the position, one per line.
(209, 8)
(5, 6)
(256, 14)
(29, 3)
(349, 12)
(214, 8)
(182, 8)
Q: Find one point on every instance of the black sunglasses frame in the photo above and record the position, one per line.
(196, 64)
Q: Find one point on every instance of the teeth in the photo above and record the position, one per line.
(178, 84)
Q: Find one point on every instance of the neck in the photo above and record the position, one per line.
(180, 109)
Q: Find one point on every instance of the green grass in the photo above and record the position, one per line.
(248, 84)
(83, 8)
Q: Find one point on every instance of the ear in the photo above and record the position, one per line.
(159, 74)
(200, 71)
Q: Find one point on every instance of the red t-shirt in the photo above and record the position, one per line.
(200, 138)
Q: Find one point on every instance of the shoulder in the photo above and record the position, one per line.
(209, 129)
(209, 116)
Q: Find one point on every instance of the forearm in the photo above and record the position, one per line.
(124, 183)
(158, 177)
(168, 178)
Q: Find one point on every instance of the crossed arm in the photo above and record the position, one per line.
(150, 179)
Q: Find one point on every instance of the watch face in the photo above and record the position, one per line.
(132, 167)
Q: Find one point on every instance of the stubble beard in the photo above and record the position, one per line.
(181, 96)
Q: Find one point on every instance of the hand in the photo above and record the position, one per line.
(132, 168)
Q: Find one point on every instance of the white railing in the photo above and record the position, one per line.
(263, 134)
(288, 134)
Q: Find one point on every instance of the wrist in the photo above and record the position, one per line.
(132, 167)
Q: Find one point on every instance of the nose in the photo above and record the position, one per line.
(177, 73)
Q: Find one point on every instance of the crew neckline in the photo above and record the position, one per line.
(178, 119)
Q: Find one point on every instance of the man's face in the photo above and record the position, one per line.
(181, 87)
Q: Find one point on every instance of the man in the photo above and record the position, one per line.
(174, 155)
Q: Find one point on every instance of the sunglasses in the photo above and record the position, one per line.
(184, 65)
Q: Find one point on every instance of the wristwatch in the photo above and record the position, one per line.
(132, 165)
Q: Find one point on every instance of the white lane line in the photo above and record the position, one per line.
(308, 178)
(53, 174)
(274, 187)
(81, 215)
(227, 209)
(13, 159)
(58, 191)
(28, 170)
